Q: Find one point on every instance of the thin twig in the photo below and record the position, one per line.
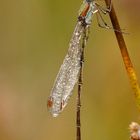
(80, 82)
(78, 115)
(125, 55)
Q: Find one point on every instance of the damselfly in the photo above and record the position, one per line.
(69, 70)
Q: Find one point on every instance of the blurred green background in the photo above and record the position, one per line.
(34, 37)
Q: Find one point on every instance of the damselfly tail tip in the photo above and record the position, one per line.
(55, 115)
(50, 102)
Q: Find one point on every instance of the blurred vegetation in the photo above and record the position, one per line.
(34, 37)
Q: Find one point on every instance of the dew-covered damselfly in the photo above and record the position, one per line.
(68, 74)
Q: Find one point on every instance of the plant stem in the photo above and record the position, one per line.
(125, 55)
(80, 83)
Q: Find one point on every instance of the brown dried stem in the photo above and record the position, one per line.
(125, 55)
(80, 82)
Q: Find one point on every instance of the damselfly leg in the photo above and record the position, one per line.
(105, 10)
(101, 22)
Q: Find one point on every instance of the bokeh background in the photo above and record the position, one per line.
(34, 37)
